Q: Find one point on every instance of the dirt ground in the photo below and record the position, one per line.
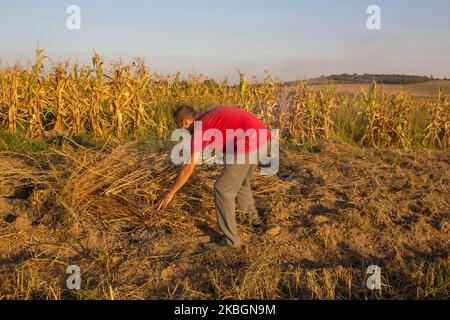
(341, 209)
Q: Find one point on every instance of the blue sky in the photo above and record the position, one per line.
(290, 38)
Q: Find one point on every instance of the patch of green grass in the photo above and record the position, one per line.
(348, 124)
(307, 147)
(19, 142)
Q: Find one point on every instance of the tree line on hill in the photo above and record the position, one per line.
(379, 78)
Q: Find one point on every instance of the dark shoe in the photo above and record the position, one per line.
(218, 245)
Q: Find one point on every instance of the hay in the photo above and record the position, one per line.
(124, 185)
(120, 185)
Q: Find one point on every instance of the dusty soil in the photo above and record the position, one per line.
(340, 209)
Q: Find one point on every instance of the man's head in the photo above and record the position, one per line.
(184, 116)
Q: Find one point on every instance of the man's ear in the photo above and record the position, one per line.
(186, 123)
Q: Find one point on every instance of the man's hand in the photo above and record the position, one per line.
(182, 178)
(165, 200)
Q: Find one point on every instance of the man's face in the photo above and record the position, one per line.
(184, 124)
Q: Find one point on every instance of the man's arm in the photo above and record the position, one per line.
(182, 178)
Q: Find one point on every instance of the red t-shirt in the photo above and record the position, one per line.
(241, 131)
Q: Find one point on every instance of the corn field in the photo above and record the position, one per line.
(121, 100)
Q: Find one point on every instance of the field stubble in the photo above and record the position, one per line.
(341, 209)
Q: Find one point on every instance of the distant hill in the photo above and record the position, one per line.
(369, 78)
(427, 89)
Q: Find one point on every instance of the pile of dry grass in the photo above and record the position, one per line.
(124, 184)
(120, 185)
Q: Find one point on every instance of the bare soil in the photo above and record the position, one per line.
(340, 210)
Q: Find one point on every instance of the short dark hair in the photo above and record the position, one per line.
(183, 112)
